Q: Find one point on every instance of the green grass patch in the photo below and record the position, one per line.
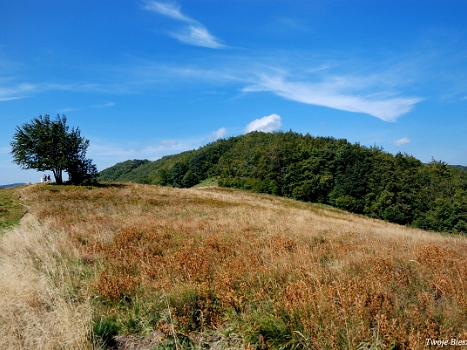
(212, 181)
(11, 209)
(106, 329)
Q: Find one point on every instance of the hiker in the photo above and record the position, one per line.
(48, 178)
(44, 178)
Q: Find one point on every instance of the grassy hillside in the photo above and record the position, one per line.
(364, 180)
(137, 266)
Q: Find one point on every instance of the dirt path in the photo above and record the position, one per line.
(27, 214)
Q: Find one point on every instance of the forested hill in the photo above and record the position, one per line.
(364, 180)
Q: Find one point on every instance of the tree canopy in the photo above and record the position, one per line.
(50, 145)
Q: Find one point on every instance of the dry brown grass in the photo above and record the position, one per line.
(36, 311)
(272, 272)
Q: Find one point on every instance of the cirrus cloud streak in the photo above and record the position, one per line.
(331, 94)
(194, 33)
(17, 92)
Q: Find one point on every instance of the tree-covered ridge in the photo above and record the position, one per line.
(181, 170)
(366, 180)
(130, 170)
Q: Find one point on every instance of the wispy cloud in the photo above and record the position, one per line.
(104, 105)
(24, 90)
(106, 154)
(11, 98)
(291, 23)
(116, 88)
(333, 93)
(171, 10)
(402, 141)
(194, 33)
(16, 92)
(268, 123)
(66, 110)
(315, 82)
(198, 36)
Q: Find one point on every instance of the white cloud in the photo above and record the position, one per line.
(220, 133)
(197, 35)
(332, 94)
(193, 34)
(402, 141)
(266, 124)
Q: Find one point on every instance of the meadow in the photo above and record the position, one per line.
(128, 266)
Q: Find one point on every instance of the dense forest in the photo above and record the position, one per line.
(365, 180)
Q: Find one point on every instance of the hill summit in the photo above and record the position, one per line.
(365, 180)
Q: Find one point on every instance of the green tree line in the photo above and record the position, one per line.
(365, 180)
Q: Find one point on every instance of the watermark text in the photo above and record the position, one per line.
(445, 342)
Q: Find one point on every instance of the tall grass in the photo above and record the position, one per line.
(37, 310)
(223, 268)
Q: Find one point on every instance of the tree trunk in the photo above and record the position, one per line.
(58, 176)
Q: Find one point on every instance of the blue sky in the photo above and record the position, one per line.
(143, 79)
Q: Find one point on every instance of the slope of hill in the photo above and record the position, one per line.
(359, 179)
(158, 267)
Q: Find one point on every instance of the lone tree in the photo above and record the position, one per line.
(46, 144)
